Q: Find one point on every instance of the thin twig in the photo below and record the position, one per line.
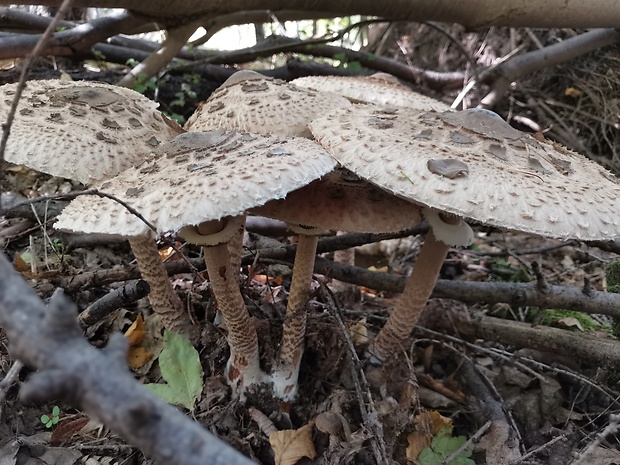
(369, 415)
(611, 428)
(474, 437)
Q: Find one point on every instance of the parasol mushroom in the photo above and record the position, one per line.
(88, 132)
(378, 88)
(202, 184)
(468, 164)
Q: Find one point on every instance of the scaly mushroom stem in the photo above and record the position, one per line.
(294, 330)
(407, 311)
(235, 248)
(445, 229)
(243, 367)
(243, 364)
(164, 300)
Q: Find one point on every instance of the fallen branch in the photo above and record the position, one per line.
(517, 294)
(71, 40)
(514, 68)
(589, 350)
(49, 339)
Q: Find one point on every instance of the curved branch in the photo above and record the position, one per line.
(514, 68)
(49, 339)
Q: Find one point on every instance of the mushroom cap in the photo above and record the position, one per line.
(343, 201)
(86, 131)
(371, 89)
(251, 102)
(199, 177)
(474, 164)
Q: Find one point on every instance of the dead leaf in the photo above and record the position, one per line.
(427, 424)
(570, 322)
(291, 445)
(66, 429)
(359, 333)
(136, 332)
(500, 443)
(138, 357)
(20, 264)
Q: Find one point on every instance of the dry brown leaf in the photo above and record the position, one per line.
(427, 424)
(138, 357)
(136, 332)
(289, 445)
(359, 333)
(570, 322)
(20, 264)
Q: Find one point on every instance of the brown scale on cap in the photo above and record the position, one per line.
(252, 102)
(471, 164)
(85, 131)
(377, 89)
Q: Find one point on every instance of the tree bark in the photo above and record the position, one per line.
(470, 13)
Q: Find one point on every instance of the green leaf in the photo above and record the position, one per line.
(180, 367)
(45, 419)
(55, 411)
(442, 446)
(355, 65)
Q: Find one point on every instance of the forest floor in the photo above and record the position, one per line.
(507, 399)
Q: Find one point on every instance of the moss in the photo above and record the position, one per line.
(551, 316)
(612, 273)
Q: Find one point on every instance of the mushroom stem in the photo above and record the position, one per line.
(235, 248)
(243, 366)
(164, 300)
(294, 330)
(407, 311)
(405, 315)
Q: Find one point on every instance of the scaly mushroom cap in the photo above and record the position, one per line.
(200, 177)
(370, 89)
(473, 164)
(254, 103)
(343, 201)
(85, 131)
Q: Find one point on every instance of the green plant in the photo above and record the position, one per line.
(50, 421)
(180, 367)
(443, 445)
(612, 274)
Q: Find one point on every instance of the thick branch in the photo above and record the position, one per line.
(471, 13)
(522, 65)
(518, 294)
(585, 348)
(50, 340)
(69, 41)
